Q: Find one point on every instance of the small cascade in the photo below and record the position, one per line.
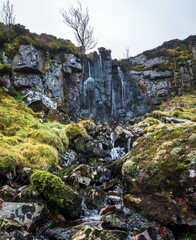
(116, 152)
(89, 70)
(101, 63)
(128, 144)
(121, 76)
(88, 214)
(88, 92)
(113, 103)
(112, 139)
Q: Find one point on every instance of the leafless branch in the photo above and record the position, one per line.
(7, 13)
(78, 19)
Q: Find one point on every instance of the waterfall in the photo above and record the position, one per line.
(113, 103)
(128, 144)
(89, 70)
(112, 139)
(116, 152)
(88, 92)
(121, 76)
(101, 63)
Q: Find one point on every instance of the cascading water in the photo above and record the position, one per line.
(121, 76)
(101, 63)
(128, 144)
(116, 152)
(88, 214)
(88, 91)
(89, 70)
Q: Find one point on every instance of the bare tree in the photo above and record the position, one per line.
(7, 13)
(78, 19)
(127, 53)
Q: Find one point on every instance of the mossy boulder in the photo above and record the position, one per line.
(78, 130)
(160, 171)
(56, 193)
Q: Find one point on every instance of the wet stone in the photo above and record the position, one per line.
(114, 222)
(23, 213)
(94, 197)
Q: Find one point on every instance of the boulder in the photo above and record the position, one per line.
(79, 232)
(81, 175)
(58, 195)
(95, 149)
(159, 174)
(24, 80)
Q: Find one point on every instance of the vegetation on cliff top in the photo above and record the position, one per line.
(11, 39)
(176, 51)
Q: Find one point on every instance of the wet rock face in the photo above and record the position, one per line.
(108, 89)
(133, 87)
(46, 81)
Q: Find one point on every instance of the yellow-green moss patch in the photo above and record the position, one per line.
(180, 107)
(161, 156)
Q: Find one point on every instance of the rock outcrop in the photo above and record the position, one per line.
(135, 86)
(46, 82)
(105, 89)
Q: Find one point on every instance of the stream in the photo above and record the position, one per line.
(103, 208)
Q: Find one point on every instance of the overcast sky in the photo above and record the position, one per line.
(137, 24)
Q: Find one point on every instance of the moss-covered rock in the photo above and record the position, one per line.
(56, 193)
(76, 130)
(27, 142)
(160, 170)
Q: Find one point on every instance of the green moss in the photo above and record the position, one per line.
(9, 160)
(25, 142)
(181, 107)
(51, 138)
(39, 156)
(53, 189)
(157, 157)
(192, 156)
(138, 68)
(149, 121)
(76, 130)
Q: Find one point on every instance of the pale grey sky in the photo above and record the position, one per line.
(137, 24)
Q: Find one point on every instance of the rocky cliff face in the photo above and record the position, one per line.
(48, 83)
(107, 89)
(134, 86)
